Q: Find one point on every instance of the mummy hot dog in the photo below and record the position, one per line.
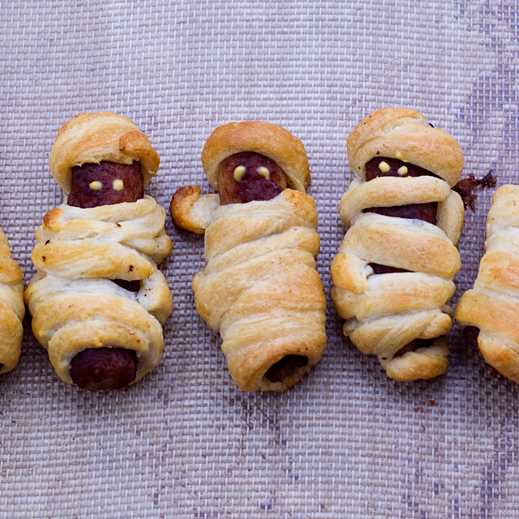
(98, 300)
(12, 308)
(260, 287)
(489, 312)
(393, 275)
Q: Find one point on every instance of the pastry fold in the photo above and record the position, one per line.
(492, 305)
(84, 256)
(392, 314)
(12, 308)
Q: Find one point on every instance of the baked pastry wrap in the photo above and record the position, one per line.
(12, 309)
(492, 306)
(393, 274)
(260, 287)
(83, 257)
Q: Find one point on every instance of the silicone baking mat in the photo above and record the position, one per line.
(185, 442)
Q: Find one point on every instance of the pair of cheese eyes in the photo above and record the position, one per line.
(118, 185)
(384, 167)
(240, 171)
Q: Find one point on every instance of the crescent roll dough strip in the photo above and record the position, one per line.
(74, 304)
(260, 287)
(12, 309)
(493, 304)
(389, 312)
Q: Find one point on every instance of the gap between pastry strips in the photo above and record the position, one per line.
(393, 275)
(260, 287)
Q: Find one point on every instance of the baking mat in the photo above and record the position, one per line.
(185, 442)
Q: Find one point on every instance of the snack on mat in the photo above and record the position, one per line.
(260, 288)
(393, 275)
(98, 300)
(12, 308)
(490, 311)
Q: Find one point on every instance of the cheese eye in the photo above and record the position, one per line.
(118, 185)
(95, 185)
(384, 167)
(239, 172)
(264, 172)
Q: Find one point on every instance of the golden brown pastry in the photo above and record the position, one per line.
(12, 308)
(490, 311)
(98, 300)
(260, 287)
(393, 275)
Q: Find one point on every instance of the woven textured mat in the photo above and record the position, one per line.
(185, 442)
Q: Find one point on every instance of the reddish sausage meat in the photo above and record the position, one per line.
(83, 194)
(93, 185)
(247, 177)
(252, 185)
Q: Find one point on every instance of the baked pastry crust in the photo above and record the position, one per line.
(269, 139)
(386, 312)
(79, 251)
(260, 287)
(95, 137)
(12, 309)
(493, 304)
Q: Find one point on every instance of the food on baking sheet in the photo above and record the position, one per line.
(98, 300)
(393, 275)
(12, 308)
(260, 287)
(489, 312)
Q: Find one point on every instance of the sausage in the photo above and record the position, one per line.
(287, 365)
(93, 185)
(249, 176)
(131, 286)
(243, 178)
(106, 183)
(425, 212)
(104, 368)
(414, 345)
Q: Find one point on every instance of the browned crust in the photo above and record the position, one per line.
(180, 208)
(269, 139)
(96, 137)
(405, 134)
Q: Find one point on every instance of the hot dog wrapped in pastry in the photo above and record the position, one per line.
(12, 308)
(260, 287)
(489, 312)
(98, 300)
(393, 275)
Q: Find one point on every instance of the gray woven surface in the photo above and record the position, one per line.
(185, 442)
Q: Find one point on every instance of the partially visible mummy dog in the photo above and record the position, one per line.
(260, 287)
(98, 300)
(12, 308)
(489, 312)
(393, 275)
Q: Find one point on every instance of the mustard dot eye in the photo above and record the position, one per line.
(239, 172)
(263, 171)
(384, 167)
(403, 170)
(118, 185)
(95, 185)
(398, 155)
